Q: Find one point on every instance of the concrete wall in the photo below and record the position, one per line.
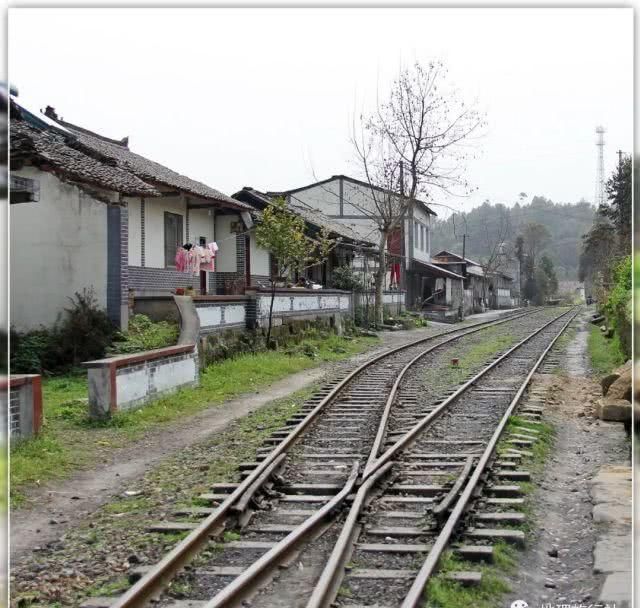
(297, 304)
(201, 223)
(58, 247)
(21, 402)
(218, 313)
(154, 227)
(260, 264)
(423, 222)
(128, 382)
(226, 256)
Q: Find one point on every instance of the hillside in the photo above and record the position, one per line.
(566, 224)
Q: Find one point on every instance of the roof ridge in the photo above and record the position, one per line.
(123, 143)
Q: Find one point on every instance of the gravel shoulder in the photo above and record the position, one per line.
(557, 567)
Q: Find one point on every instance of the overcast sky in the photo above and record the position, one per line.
(265, 97)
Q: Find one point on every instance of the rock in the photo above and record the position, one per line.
(621, 387)
(597, 319)
(607, 381)
(615, 410)
(553, 552)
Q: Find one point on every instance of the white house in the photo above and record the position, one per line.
(87, 212)
(349, 201)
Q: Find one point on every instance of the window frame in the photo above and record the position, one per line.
(169, 259)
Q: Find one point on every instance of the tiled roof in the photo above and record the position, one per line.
(70, 160)
(311, 216)
(149, 170)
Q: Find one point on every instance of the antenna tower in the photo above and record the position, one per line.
(600, 196)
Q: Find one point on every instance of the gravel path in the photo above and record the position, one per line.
(556, 567)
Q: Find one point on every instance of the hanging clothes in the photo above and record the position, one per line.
(182, 259)
(193, 266)
(207, 260)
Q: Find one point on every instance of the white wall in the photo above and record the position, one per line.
(422, 219)
(201, 224)
(135, 241)
(325, 197)
(226, 256)
(154, 227)
(58, 246)
(259, 257)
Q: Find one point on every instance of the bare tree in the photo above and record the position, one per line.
(416, 141)
(496, 239)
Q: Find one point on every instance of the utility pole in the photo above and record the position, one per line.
(599, 195)
(464, 245)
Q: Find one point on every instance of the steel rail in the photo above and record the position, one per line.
(412, 433)
(233, 593)
(327, 586)
(382, 427)
(414, 596)
(329, 579)
(160, 575)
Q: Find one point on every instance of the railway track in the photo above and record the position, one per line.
(339, 447)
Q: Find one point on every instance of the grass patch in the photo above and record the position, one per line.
(443, 593)
(605, 354)
(70, 441)
(115, 587)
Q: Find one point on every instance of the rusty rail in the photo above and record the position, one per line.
(414, 597)
(324, 592)
(158, 577)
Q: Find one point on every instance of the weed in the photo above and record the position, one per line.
(605, 354)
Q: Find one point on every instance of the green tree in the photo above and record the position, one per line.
(546, 265)
(282, 233)
(619, 210)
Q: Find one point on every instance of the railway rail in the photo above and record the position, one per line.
(347, 442)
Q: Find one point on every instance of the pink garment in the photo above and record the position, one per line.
(207, 260)
(193, 265)
(182, 259)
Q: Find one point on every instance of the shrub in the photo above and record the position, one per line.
(345, 278)
(144, 334)
(618, 305)
(83, 332)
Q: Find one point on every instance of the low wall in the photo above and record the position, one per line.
(296, 304)
(129, 381)
(393, 302)
(22, 402)
(219, 313)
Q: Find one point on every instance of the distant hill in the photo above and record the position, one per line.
(565, 222)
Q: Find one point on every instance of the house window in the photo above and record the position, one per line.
(422, 237)
(416, 232)
(172, 237)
